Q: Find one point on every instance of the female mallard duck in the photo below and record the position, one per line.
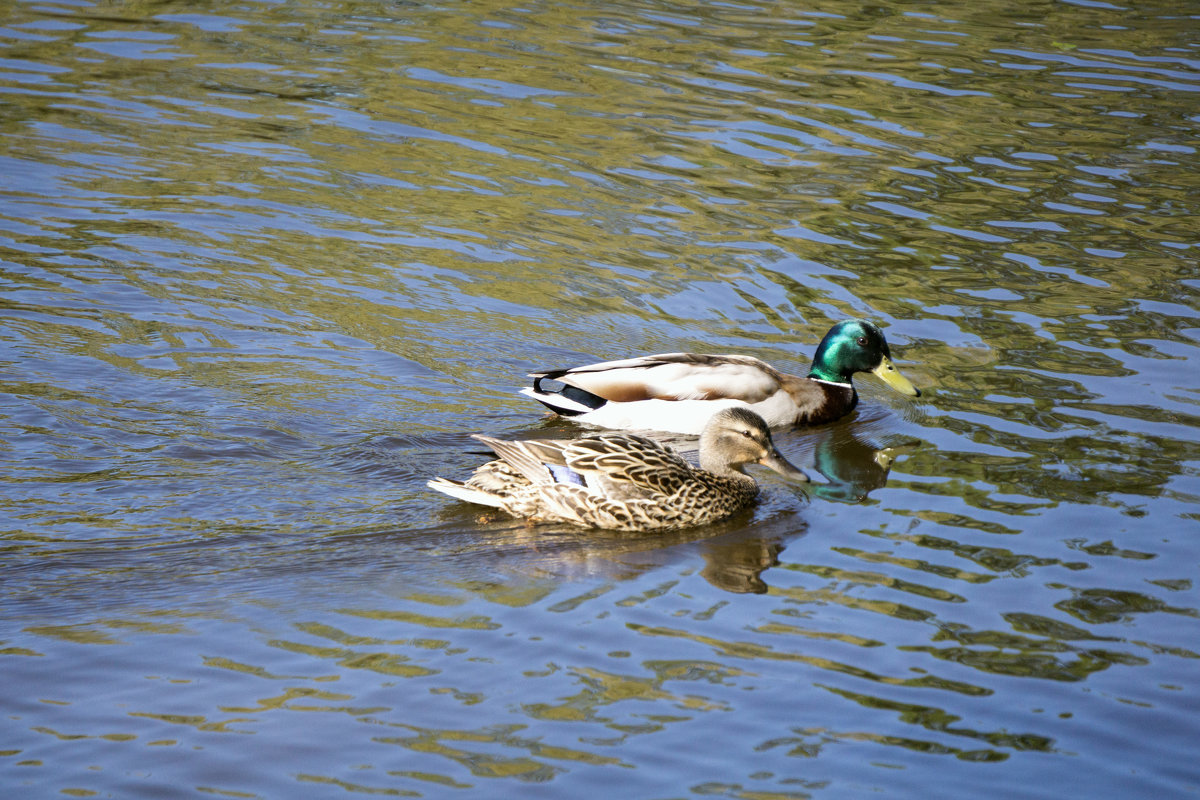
(678, 392)
(623, 481)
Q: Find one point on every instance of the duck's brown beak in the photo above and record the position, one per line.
(887, 372)
(781, 465)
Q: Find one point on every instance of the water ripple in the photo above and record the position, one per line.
(266, 269)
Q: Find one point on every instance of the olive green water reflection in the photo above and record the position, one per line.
(264, 268)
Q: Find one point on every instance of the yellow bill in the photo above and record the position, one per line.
(888, 373)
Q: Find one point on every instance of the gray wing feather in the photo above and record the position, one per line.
(518, 455)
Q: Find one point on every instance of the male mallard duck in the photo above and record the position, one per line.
(623, 481)
(678, 392)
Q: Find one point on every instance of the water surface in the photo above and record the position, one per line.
(265, 268)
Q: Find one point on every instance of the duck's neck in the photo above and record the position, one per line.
(722, 469)
(834, 399)
(846, 384)
(822, 371)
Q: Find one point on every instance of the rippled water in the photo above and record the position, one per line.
(266, 266)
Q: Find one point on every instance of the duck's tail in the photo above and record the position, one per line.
(569, 401)
(466, 493)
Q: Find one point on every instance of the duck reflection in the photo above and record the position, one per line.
(736, 563)
(735, 558)
(852, 466)
(735, 553)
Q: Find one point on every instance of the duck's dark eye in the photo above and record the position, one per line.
(862, 341)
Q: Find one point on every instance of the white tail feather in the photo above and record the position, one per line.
(465, 493)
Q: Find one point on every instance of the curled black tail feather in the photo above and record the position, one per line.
(573, 393)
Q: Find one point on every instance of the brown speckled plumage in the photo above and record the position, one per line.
(625, 481)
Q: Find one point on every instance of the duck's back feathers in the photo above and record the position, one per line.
(629, 465)
(672, 376)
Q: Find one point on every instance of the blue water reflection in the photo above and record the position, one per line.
(265, 268)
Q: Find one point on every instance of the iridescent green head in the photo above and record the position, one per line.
(856, 345)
